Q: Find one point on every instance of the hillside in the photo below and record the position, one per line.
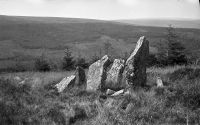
(24, 38)
(179, 23)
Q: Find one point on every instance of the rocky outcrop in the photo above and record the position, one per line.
(114, 75)
(135, 69)
(75, 82)
(97, 74)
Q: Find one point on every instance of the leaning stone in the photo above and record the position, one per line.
(118, 93)
(110, 92)
(114, 75)
(17, 78)
(97, 74)
(127, 93)
(22, 82)
(64, 84)
(159, 82)
(74, 83)
(135, 70)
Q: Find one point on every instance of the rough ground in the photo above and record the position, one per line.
(36, 101)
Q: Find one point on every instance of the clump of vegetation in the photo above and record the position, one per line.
(68, 60)
(171, 51)
(94, 58)
(176, 50)
(41, 64)
(185, 73)
(80, 61)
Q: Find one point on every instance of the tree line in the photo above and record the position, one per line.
(171, 51)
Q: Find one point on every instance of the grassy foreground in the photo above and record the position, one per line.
(37, 102)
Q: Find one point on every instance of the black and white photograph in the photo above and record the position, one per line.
(99, 62)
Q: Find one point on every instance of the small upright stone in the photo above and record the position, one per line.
(135, 70)
(97, 74)
(114, 75)
(159, 82)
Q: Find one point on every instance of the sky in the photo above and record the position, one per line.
(103, 9)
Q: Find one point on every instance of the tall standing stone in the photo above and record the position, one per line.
(97, 74)
(114, 75)
(135, 69)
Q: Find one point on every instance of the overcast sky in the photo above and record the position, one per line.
(103, 9)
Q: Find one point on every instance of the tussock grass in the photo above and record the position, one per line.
(37, 102)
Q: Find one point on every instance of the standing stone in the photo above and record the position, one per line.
(114, 75)
(97, 74)
(65, 83)
(159, 82)
(135, 70)
(80, 82)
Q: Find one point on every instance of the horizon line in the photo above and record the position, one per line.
(141, 18)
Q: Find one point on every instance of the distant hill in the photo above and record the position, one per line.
(24, 38)
(179, 23)
(29, 19)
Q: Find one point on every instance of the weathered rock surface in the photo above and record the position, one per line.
(110, 92)
(159, 82)
(65, 82)
(135, 69)
(17, 78)
(75, 82)
(118, 93)
(97, 74)
(114, 75)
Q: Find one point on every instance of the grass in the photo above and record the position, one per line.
(176, 103)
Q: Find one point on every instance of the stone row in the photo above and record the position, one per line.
(121, 75)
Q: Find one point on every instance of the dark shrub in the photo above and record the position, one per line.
(94, 59)
(68, 61)
(41, 64)
(176, 50)
(82, 63)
